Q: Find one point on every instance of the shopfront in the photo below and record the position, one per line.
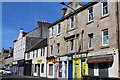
(99, 66)
(80, 65)
(52, 67)
(28, 69)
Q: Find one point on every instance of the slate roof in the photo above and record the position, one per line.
(41, 43)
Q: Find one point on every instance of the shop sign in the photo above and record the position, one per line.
(80, 55)
(69, 58)
(63, 58)
(52, 60)
(10, 64)
(102, 52)
(39, 61)
(101, 59)
(15, 62)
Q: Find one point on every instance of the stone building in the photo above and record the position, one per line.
(9, 59)
(36, 50)
(19, 50)
(85, 42)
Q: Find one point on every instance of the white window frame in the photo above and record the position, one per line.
(107, 7)
(51, 31)
(90, 39)
(89, 20)
(58, 25)
(104, 36)
(72, 22)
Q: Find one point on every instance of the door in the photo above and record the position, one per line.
(77, 68)
(69, 69)
(65, 69)
(56, 70)
(38, 70)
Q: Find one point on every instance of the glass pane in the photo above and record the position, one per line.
(105, 40)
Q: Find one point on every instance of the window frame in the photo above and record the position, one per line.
(90, 40)
(105, 6)
(51, 50)
(72, 22)
(89, 20)
(58, 48)
(51, 32)
(58, 29)
(73, 44)
(105, 36)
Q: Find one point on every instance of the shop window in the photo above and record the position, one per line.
(91, 69)
(103, 69)
(60, 69)
(42, 68)
(51, 69)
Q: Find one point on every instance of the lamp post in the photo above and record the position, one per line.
(75, 33)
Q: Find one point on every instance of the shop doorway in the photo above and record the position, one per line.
(38, 72)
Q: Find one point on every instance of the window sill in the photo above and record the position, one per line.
(105, 46)
(58, 34)
(90, 22)
(90, 49)
(71, 29)
(51, 37)
(104, 16)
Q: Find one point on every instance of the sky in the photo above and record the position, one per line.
(16, 15)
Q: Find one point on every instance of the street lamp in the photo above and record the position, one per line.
(75, 33)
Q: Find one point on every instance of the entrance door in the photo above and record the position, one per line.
(38, 70)
(69, 70)
(65, 69)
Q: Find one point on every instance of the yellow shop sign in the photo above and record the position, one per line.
(39, 61)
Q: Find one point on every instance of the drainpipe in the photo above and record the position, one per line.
(117, 18)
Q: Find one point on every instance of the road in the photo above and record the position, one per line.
(15, 77)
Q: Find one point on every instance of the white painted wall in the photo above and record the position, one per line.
(43, 58)
(19, 47)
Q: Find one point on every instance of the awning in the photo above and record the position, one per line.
(100, 59)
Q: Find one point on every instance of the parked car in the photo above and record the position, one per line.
(7, 72)
(2, 70)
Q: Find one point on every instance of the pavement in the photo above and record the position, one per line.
(16, 77)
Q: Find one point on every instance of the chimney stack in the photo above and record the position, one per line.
(64, 11)
(21, 30)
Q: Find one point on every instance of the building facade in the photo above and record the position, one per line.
(19, 50)
(84, 42)
(36, 50)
